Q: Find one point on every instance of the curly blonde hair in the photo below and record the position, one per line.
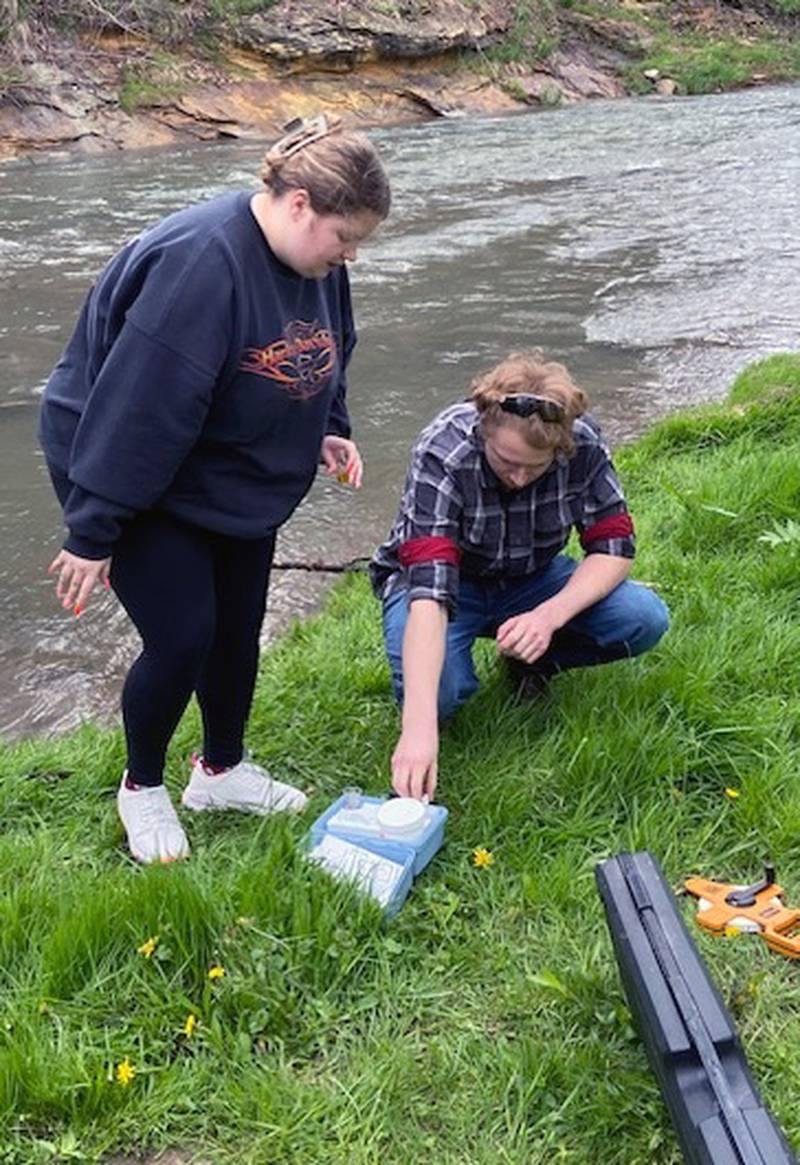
(530, 374)
(340, 169)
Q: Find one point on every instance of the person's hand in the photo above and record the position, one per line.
(76, 578)
(414, 763)
(342, 459)
(526, 636)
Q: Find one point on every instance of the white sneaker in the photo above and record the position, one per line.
(246, 787)
(151, 823)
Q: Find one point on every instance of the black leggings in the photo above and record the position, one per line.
(197, 600)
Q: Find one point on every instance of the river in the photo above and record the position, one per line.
(653, 245)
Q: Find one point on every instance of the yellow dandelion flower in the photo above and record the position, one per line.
(125, 1072)
(148, 947)
(482, 858)
(732, 932)
(216, 972)
(190, 1025)
(732, 793)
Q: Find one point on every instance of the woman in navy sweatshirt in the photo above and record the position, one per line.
(203, 385)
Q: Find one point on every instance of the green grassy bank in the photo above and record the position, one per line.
(701, 49)
(487, 1022)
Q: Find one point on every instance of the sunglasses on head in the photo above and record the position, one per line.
(301, 132)
(525, 405)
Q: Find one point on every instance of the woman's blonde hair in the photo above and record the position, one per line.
(340, 169)
(528, 374)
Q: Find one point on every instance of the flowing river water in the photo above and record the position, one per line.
(654, 246)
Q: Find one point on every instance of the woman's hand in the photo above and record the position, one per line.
(77, 577)
(342, 459)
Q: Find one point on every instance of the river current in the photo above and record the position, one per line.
(652, 245)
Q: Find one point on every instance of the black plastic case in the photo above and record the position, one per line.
(691, 1041)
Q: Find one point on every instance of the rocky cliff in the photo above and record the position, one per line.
(91, 75)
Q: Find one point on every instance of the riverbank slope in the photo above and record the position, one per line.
(130, 73)
(487, 1022)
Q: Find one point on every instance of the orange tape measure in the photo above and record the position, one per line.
(755, 909)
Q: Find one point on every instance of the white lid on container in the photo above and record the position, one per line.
(401, 815)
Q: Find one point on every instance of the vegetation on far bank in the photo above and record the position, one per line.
(702, 49)
(163, 45)
(167, 21)
(242, 1006)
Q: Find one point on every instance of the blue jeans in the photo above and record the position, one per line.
(628, 621)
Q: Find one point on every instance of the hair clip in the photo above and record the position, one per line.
(301, 132)
(525, 405)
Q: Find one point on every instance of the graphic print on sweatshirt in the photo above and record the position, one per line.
(301, 361)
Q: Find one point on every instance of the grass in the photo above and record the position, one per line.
(154, 80)
(703, 59)
(10, 79)
(724, 64)
(235, 8)
(525, 39)
(487, 1022)
(699, 59)
(533, 36)
(165, 21)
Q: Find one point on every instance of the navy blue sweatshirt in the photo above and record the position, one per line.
(201, 379)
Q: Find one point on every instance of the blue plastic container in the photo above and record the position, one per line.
(384, 849)
(422, 843)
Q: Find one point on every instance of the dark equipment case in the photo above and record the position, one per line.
(691, 1040)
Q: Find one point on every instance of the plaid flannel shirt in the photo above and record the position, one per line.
(456, 518)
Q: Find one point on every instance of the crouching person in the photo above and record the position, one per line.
(495, 486)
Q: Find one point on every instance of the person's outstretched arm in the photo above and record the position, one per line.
(428, 556)
(415, 758)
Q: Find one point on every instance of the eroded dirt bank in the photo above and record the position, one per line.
(113, 78)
